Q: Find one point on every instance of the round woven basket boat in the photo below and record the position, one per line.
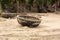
(30, 21)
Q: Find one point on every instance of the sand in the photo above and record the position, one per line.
(48, 29)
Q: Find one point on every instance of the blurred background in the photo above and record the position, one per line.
(35, 6)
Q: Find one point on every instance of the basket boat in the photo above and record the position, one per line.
(26, 20)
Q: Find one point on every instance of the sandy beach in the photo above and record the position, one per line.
(48, 29)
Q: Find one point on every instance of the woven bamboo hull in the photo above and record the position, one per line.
(28, 21)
